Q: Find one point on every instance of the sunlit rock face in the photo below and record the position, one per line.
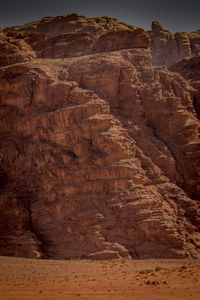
(99, 148)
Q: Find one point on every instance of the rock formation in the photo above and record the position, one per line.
(168, 48)
(99, 149)
(189, 68)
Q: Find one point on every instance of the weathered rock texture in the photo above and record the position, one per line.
(189, 68)
(99, 149)
(168, 48)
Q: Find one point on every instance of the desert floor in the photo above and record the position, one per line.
(152, 279)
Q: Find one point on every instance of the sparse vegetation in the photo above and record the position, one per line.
(145, 271)
(183, 268)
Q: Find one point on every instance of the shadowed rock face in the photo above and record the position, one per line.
(189, 68)
(168, 48)
(99, 149)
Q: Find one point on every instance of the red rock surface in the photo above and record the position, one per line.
(99, 149)
(14, 49)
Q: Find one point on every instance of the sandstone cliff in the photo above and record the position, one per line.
(99, 149)
(189, 68)
(168, 48)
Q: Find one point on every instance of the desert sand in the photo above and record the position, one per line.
(154, 279)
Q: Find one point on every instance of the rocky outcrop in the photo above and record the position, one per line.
(99, 149)
(83, 43)
(72, 23)
(189, 68)
(13, 49)
(168, 48)
(57, 38)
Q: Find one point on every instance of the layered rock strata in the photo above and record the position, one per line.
(99, 149)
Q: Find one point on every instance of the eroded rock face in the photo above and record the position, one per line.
(99, 152)
(168, 48)
(13, 49)
(68, 36)
(189, 68)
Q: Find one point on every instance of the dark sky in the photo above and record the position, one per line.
(175, 15)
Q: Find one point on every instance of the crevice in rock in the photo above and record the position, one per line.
(134, 254)
(26, 199)
(63, 149)
(196, 104)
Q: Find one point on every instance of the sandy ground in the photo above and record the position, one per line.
(22, 279)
